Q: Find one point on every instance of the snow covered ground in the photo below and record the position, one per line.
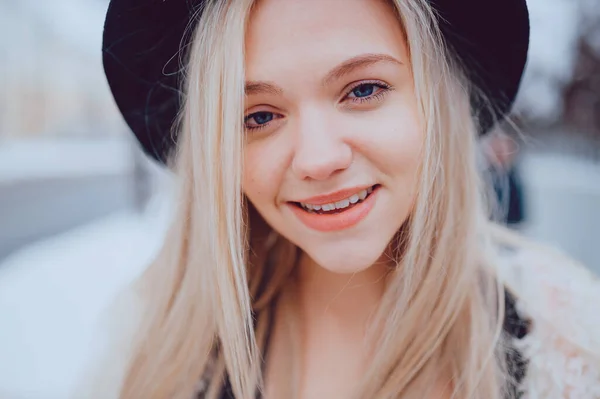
(52, 295)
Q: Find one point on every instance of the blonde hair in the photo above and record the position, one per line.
(209, 293)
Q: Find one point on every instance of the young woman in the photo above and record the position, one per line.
(331, 237)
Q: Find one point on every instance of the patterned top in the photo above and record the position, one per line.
(553, 318)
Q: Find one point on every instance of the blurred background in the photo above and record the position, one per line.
(80, 203)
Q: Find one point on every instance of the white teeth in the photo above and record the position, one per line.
(353, 199)
(342, 204)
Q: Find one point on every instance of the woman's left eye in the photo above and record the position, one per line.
(367, 91)
(364, 90)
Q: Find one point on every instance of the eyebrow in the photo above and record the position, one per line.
(343, 69)
(253, 87)
(354, 63)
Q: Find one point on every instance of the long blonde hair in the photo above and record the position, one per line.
(209, 293)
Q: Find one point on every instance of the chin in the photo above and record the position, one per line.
(344, 259)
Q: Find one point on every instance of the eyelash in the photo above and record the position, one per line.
(385, 88)
(258, 127)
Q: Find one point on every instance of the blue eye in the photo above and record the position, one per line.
(258, 120)
(363, 90)
(368, 91)
(261, 117)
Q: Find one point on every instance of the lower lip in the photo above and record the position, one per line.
(336, 221)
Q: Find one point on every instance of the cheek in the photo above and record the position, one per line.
(392, 139)
(254, 186)
(263, 171)
(401, 149)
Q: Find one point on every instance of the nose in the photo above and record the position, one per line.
(320, 150)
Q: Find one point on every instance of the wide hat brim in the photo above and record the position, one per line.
(143, 42)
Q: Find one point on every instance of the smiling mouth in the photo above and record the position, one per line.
(338, 206)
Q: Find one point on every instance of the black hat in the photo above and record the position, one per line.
(143, 38)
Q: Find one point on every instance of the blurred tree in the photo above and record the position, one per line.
(560, 96)
(582, 94)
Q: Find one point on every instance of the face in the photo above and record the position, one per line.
(333, 135)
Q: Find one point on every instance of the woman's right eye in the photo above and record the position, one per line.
(258, 120)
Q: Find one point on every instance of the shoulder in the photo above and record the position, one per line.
(560, 298)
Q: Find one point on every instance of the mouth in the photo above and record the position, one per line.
(338, 215)
(337, 206)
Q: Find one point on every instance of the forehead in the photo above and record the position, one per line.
(297, 33)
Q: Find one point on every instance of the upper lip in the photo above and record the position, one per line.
(335, 196)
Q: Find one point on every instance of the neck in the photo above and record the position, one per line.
(344, 301)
